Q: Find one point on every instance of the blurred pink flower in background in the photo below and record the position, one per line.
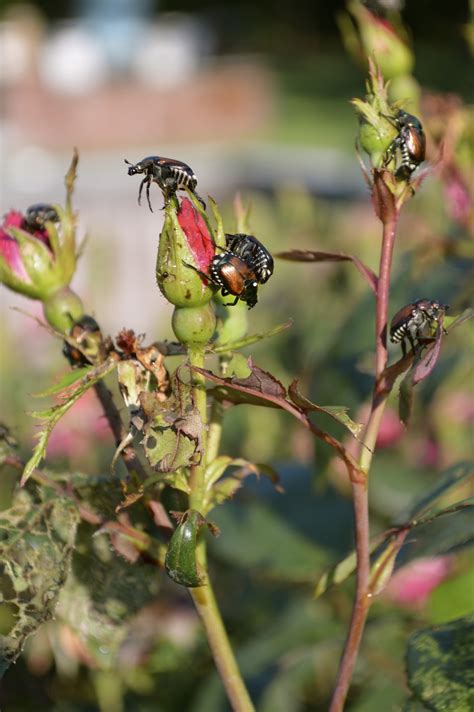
(412, 584)
(83, 426)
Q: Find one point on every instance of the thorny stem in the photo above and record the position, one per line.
(224, 659)
(362, 600)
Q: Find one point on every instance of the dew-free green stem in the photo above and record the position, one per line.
(223, 655)
(196, 358)
(360, 492)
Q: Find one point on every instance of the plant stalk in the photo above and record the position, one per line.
(224, 658)
(360, 491)
(203, 596)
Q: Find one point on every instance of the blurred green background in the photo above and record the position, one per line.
(256, 98)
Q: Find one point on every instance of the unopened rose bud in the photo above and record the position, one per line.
(37, 256)
(185, 252)
(378, 39)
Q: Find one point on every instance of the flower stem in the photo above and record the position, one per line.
(224, 658)
(203, 596)
(360, 491)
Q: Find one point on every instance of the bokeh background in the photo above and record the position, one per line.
(255, 97)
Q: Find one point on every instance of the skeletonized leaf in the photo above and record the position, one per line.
(439, 665)
(337, 412)
(36, 542)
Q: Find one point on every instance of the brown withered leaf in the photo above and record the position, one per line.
(319, 256)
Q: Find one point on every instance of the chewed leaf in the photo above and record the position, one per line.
(68, 380)
(337, 412)
(252, 338)
(53, 415)
(37, 535)
(180, 561)
(318, 256)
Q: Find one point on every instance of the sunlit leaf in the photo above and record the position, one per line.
(53, 415)
(69, 379)
(252, 338)
(439, 666)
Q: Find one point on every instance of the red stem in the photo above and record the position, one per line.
(360, 490)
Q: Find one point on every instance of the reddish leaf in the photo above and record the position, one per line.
(382, 197)
(427, 362)
(317, 256)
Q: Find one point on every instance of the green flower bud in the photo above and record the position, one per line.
(181, 266)
(194, 325)
(63, 309)
(379, 39)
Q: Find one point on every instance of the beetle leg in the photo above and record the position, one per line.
(200, 199)
(230, 304)
(412, 343)
(404, 347)
(148, 193)
(140, 190)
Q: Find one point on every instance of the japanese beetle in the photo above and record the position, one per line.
(234, 276)
(410, 141)
(169, 173)
(249, 249)
(414, 319)
(37, 215)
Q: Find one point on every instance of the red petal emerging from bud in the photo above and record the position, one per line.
(197, 234)
(9, 248)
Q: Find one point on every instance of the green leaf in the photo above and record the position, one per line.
(219, 232)
(180, 561)
(53, 415)
(337, 412)
(218, 491)
(439, 666)
(69, 379)
(37, 536)
(168, 450)
(405, 402)
(448, 480)
(252, 338)
(257, 538)
(452, 598)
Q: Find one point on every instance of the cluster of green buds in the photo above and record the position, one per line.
(188, 244)
(38, 257)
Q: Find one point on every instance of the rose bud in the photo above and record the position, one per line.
(184, 255)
